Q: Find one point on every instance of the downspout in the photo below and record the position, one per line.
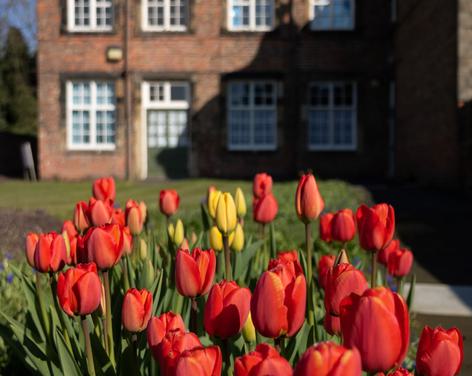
(127, 93)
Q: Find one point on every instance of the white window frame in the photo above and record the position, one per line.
(311, 13)
(251, 146)
(93, 107)
(167, 26)
(331, 108)
(252, 18)
(92, 27)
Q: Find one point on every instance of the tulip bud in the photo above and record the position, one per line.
(308, 201)
(226, 218)
(237, 239)
(249, 331)
(168, 202)
(104, 189)
(200, 361)
(384, 253)
(213, 198)
(79, 290)
(105, 245)
(325, 227)
(325, 263)
(342, 257)
(143, 254)
(400, 262)
(440, 352)
(343, 226)
(158, 327)
(136, 310)
(81, 216)
(265, 209)
(50, 254)
(148, 275)
(216, 239)
(127, 240)
(135, 216)
(265, 360)
(376, 226)
(31, 241)
(176, 234)
(240, 203)
(195, 271)
(327, 358)
(262, 185)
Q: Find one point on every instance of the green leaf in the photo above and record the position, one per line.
(244, 259)
(68, 364)
(272, 241)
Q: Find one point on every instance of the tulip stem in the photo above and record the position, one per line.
(60, 313)
(309, 253)
(280, 344)
(309, 280)
(109, 324)
(41, 304)
(373, 276)
(228, 271)
(194, 315)
(227, 353)
(88, 346)
(400, 286)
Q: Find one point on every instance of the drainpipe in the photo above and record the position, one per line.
(128, 117)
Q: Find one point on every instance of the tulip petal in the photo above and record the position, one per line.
(88, 290)
(187, 275)
(276, 366)
(132, 312)
(295, 301)
(401, 313)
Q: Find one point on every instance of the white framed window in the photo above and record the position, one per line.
(332, 14)
(89, 15)
(250, 15)
(332, 116)
(166, 105)
(252, 115)
(91, 115)
(165, 15)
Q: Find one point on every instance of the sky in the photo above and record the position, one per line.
(20, 14)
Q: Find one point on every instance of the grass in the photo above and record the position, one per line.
(59, 198)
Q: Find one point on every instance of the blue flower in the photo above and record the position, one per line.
(10, 278)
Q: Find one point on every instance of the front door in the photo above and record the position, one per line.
(167, 126)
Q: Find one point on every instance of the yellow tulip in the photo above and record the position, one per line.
(226, 218)
(240, 203)
(213, 197)
(176, 234)
(249, 332)
(237, 244)
(216, 239)
(143, 249)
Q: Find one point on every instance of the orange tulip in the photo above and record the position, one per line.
(200, 361)
(118, 217)
(226, 309)
(79, 290)
(69, 227)
(326, 262)
(265, 209)
(30, 247)
(376, 226)
(158, 327)
(265, 360)
(105, 245)
(329, 359)
(343, 226)
(384, 253)
(262, 185)
(325, 227)
(440, 352)
(104, 189)
(279, 299)
(168, 201)
(195, 271)
(136, 310)
(171, 347)
(308, 201)
(400, 262)
(100, 212)
(341, 281)
(50, 253)
(135, 216)
(127, 240)
(81, 216)
(378, 325)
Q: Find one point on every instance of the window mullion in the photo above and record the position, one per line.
(93, 122)
(166, 14)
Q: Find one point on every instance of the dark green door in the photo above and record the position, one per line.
(167, 143)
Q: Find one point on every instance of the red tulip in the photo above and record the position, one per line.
(400, 262)
(265, 209)
(265, 360)
(79, 290)
(440, 352)
(341, 281)
(279, 299)
(377, 323)
(325, 227)
(326, 262)
(135, 216)
(118, 217)
(200, 361)
(127, 240)
(100, 212)
(168, 201)
(136, 310)
(397, 372)
(329, 359)
(308, 201)
(376, 226)
(171, 347)
(81, 216)
(384, 253)
(343, 226)
(30, 247)
(226, 309)
(69, 229)
(50, 254)
(262, 185)
(104, 189)
(194, 272)
(158, 327)
(105, 245)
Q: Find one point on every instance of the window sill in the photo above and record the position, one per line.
(244, 33)
(89, 32)
(251, 148)
(330, 149)
(150, 33)
(85, 149)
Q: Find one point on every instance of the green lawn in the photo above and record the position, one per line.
(59, 198)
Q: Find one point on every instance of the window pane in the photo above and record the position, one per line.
(343, 127)
(80, 93)
(318, 127)
(178, 12)
(319, 95)
(263, 94)
(81, 12)
(239, 127)
(80, 127)
(178, 92)
(240, 13)
(333, 14)
(156, 12)
(105, 127)
(104, 13)
(264, 126)
(263, 12)
(156, 92)
(239, 94)
(105, 93)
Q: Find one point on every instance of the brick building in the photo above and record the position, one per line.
(143, 88)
